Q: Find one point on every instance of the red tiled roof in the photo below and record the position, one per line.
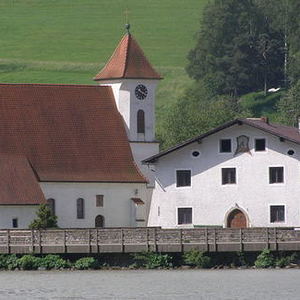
(18, 184)
(288, 133)
(66, 132)
(128, 61)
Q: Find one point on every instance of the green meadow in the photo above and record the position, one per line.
(68, 41)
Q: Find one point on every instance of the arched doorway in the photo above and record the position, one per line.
(99, 221)
(236, 219)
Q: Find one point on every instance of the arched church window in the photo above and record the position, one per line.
(80, 208)
(99, 221)
(140, 121)
(51, 205)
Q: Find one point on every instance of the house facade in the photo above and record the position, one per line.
(79, 147)
(245, 173)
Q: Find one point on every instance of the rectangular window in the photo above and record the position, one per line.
(228, 175)
(225, 146)
(276, 174)
(183, 178)
(80, 208)
(260, 145)
(277, 213)
(15, 223)
(185, 216)
(99, 200)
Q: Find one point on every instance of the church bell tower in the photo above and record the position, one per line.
(133, 81)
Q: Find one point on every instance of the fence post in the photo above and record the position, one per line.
(215, 239)
(206, 240)
(32, 241)
(267, 238)
(64, 241)
(275, 239)
(40, 241)
(154, 237)
(122, 241)
(180, 240)
(241, 240)
(89, 241)
(8, 241)
(97, 241)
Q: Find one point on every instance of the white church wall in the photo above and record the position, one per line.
(24, 214)
(116, 205)
(210, 200)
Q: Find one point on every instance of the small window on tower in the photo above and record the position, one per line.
(140, 121)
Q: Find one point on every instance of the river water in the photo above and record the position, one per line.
(147, 284)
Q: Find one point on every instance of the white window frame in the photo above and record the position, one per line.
(236, 176)
(183, 187)
(219, 145)
(269, 213)
(284, 175)
(185, 225)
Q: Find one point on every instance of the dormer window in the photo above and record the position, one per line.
(225, 145)
(260, 145)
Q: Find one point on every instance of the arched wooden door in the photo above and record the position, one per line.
(99, 221)
(236, 219)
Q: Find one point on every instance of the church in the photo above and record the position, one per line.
(89, 151)
(79, 147)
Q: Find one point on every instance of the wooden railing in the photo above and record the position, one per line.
(147, 239)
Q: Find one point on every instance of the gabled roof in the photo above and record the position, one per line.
(288, 133)
(128, 61)
(18, 183)
(71, 133)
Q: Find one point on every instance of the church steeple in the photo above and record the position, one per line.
(128, 62)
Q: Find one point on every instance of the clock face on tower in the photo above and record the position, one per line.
(141, 92)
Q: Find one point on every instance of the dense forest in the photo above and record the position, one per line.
(243, 46)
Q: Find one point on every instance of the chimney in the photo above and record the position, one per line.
(265, 119)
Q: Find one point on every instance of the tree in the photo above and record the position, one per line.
(45, 219)
(198, 111)
(237, 46)
(289, 106)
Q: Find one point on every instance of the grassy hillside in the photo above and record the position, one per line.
(260, 105)
(68, 41)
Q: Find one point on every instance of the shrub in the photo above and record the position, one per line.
(8, 262)
(11, 262)
(283, 261)
(44, 219)
(151, 260)
(265, 259)
(28, 262)
(85, 263)
(51, 261)
(197, 259)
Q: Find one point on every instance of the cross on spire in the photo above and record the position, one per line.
(127, 25)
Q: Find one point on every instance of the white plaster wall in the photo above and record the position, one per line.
(24, 213)
(117, 208)
(211, 200)
(141, 151)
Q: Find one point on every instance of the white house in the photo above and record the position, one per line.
(79, 147)
(245, 173)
